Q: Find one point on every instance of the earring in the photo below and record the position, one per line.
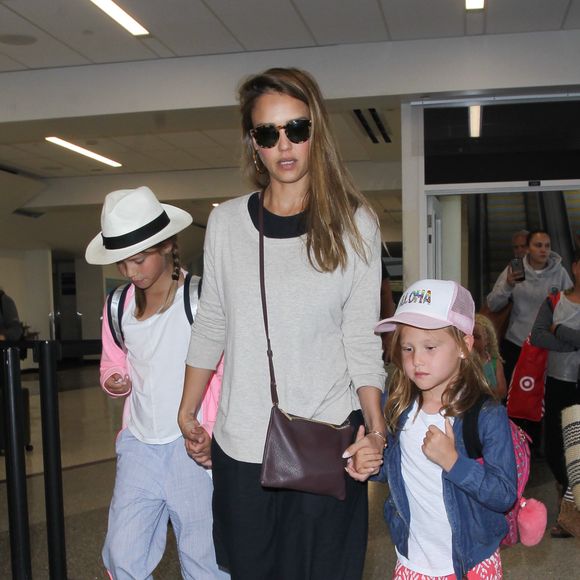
(257, 162)
(461, 355)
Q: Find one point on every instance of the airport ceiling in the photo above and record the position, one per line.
(45, 34)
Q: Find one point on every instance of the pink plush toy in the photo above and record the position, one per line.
(532, 519)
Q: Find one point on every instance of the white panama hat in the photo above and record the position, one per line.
(133, 220)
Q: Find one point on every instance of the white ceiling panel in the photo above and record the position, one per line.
(572, 16)
(260, 25)
(44, 52)
(475, 22)
(350, 137)
(144, 143)
(188, 139)
(135, 161)
(525, 15)
(186, 27)
(229, 138)
(8, 64)
(107, 147)
(175, 159)
(348, 21)
(84, 28)
(413, 19)
(215, 157)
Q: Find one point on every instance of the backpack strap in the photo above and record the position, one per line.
(470, 429)
(115, 308)
(191, 294)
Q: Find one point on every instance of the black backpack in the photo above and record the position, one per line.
(116, 306)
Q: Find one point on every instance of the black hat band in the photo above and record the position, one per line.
(139, 235)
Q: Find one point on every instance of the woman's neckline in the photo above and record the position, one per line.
(276, 226)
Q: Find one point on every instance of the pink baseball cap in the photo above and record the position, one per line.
(433, 304)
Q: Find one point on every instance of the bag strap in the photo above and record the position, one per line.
(273, 390)
(553, 298)
(470, 429)
(115, 308)
(191, 294)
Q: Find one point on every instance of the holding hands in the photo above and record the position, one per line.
(197, 441)
(439, 447)
(365, 455)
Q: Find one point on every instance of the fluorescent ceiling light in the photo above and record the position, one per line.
(82, 151)
(472, 4)
(474, 120)
(119, 15)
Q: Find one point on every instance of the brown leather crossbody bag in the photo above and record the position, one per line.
(300, 453)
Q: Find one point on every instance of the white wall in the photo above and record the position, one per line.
(27, 277)
(90, 298)
(468, 64)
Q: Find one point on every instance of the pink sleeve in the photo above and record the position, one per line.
(113, 359)
(209, 405)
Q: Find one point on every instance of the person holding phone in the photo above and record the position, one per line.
(542, 272)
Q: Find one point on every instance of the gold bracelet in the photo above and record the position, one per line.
(379, 434)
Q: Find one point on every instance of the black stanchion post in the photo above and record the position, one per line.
(15, 467)
(52, 460)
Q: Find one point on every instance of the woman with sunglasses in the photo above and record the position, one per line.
(322, 279)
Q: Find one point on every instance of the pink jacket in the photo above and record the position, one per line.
(114, 360)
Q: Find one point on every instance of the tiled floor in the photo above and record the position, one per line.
(89, 421)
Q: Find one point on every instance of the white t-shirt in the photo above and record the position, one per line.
(430, 533)
(156, 350)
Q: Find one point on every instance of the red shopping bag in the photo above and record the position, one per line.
(526, 390)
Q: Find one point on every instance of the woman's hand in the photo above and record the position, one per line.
(197, 441)
(365, 455)
(511, 278)
(439, 447)
(118, 385)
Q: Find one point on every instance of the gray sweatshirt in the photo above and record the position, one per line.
(564, 357)
(321, 328)
(527, 296)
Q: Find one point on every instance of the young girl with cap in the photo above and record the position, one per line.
(445, 510)
(156, 480)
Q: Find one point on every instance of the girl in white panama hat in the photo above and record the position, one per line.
(156, 480)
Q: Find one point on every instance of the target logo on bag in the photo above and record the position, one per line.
(527, 383)
(526, 390)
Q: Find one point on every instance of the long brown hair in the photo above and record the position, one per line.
(141, 298)
(332, 197)
(469, 385)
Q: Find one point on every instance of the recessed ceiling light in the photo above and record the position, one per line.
(119, 15)
(475, 121)
(474, 4)
(83, 151)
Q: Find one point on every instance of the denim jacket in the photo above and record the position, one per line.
(476, 496)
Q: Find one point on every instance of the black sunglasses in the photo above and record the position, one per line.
(297, 131)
